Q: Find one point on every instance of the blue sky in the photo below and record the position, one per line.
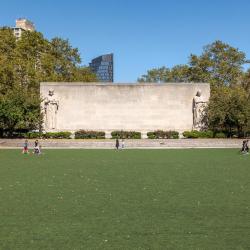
(142, 34)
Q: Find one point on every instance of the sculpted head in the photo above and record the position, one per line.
(51, 92)
(198, 93)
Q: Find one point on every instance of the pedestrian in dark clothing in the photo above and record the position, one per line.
(37, 149)
(117, 144)
(245, 148)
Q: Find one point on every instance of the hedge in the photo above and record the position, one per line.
(84, 134)
(57, 135)
(198, 134)
(48, 135)
(33, 135)
(220, 135)
(160, 134)
(126, 134)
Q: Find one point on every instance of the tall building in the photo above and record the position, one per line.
(22, 24)
(103, 67)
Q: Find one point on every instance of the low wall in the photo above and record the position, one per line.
(141, 143)
(109, 107)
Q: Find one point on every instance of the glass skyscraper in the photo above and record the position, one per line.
(103, 67)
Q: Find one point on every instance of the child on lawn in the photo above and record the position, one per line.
(25, 147)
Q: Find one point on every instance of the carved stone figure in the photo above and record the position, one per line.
(198, 110)
(51, 106)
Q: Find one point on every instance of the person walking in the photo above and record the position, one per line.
(123, 144)
(117, 144)
(25, 147)
(37, 150)
(245, 148)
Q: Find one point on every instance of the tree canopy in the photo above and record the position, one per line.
(179, 73)
(26, 62)
(221, 65)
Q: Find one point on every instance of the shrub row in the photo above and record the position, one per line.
(198, 134)
(49, 135)
(126, 134)
(203, 134)
(160, 134)
(57, 135)
(83, 134)
(220, 135)
(34, 135)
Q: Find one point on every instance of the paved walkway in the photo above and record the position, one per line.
(142, 143)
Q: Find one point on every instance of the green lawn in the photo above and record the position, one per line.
(131, 199)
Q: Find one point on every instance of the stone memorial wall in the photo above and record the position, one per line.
(107, 107)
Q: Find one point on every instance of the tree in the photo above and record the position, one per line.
(219, 64)
(65, 59)
(246, 81)
(19, 110)
(7, 52)
(179, 73)
(156, 75)
(228, 109)
(26, 62)
(84, 74)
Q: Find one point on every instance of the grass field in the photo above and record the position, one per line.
(131, 199)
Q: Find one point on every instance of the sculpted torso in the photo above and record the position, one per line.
(51, 107)
(198, 110)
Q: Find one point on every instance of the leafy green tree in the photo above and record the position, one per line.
(7, 54)
(26, 62)
(156, 75)
(228, 109)
(65, 59)
(19, 110)
(219, 64)
(27, 66)
(246, 81)
(84, 74)
(179, 73)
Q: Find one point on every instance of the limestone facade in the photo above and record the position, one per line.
(109, 107)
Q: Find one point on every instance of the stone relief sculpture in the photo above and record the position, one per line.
(51, 106)
(198, 110)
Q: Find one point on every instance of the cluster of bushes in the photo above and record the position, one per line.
(36, 135)
(57, 135)
(33, 135)
(160, 134)
(84, 134)
(198, 134)
(126, 134)
(220, 135)
(81, 134)
(49, 135)
(203, 134)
